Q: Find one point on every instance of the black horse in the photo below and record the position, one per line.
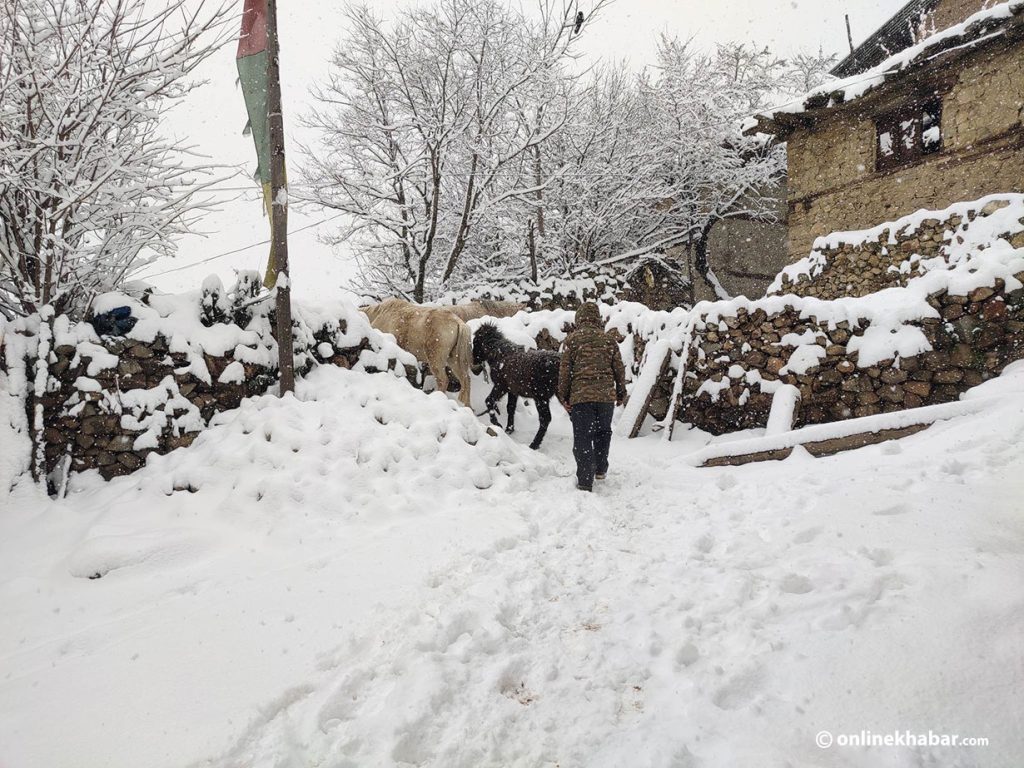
(516, 372)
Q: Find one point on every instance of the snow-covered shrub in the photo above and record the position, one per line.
(213, 303)
(90, 189)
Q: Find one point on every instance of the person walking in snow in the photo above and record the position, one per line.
(591, 380)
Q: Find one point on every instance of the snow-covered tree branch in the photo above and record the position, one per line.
(429, 122)
(464, 144)
(699, 101)
(89, 188)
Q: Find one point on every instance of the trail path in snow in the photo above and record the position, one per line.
(687, 618)
(365, 609)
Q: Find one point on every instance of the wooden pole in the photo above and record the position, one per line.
(849, 34)
(279, 204)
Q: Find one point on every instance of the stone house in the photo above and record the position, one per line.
(928, 112)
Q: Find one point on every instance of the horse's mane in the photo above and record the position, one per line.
(491, 335)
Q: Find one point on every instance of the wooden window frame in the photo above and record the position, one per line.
(906, 127)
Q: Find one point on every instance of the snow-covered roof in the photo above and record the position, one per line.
(984, 26)
(896, 34)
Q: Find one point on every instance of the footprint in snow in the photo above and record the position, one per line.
(687, 655)
(880, 557)
(725, 482)
(895, 509)
(955, 468)
(684, 758)
(705, 543)
(796, 584)
(740, 690)
(807, 535)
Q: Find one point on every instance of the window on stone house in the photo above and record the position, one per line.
(908, 134)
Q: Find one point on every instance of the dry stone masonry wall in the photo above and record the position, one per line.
(656, 281)
(738, 361)
(150, 385)
(567, 292)
(911, 313)
(859, 263)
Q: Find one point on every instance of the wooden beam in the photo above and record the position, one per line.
(818, 448)
(837, 436)
(651, 383)
(279, 205)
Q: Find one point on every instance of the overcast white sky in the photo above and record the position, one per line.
(214, 116)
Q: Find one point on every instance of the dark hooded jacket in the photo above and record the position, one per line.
(591, 369)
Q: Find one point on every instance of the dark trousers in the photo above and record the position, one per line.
(591, 439)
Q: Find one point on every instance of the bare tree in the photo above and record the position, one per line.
(429, 122)
(646, 162)
(604, 197)
(700, 101)
(88, 186)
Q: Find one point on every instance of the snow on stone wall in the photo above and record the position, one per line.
(651, 279)
(849, 367)
(943, 313)
(602, 284)
(107, 402)
(859, 263)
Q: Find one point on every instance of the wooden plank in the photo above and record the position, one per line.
(845, 434)
(748, 458)
(851, 442)
(649, 395)
(819, 447)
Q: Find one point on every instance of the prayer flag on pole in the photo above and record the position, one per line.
(251, 60)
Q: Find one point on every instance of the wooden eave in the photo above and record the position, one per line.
(931, 73)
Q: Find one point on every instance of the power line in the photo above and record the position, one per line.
(236, 250)
(564, 173)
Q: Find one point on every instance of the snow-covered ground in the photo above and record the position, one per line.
(363, 576)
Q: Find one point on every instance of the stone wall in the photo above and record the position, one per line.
(860, 263)
(109, 401)
(106, 421)
(833, 184)
(950, 12)
(658, 282)
(910, 313)
(597, 283)
(736, 362)
(90, 419)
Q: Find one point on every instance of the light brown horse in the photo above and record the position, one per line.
(485, 308)
(434, 336)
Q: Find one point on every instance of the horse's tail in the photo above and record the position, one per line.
(462, 360)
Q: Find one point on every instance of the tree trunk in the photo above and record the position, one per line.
(537, 178)
(463, 231)
(700, 261)
(421, 281)
(532, 245)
